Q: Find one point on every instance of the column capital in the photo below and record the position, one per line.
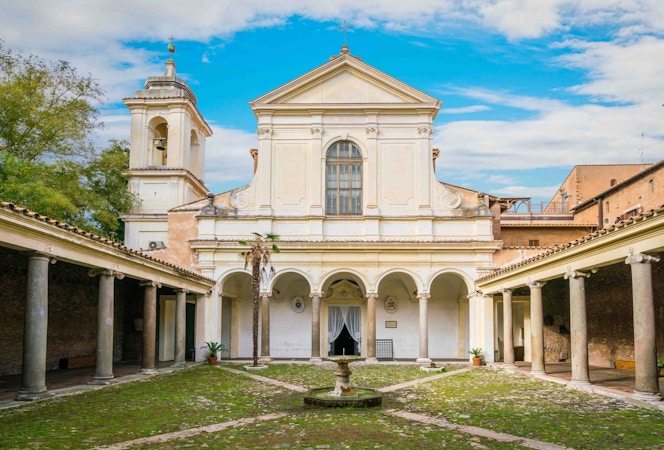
(641, 258)
(265, 294)
(313, 294)
(536, 284)
(424, 295)
(110, 272)
(506, 291)
(186, 291)
(373, 295)
(38, 254)
(575, 274)
(150, 283)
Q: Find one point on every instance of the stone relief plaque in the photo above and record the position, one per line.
(391, 305)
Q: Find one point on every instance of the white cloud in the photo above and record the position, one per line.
(465, 109)
(588, 134)
(518, 19)
(619, 71)
(526, 191)
(501, 179)
(228, 163)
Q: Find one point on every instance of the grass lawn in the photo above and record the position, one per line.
(205, 395)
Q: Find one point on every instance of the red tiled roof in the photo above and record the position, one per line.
(558, 248)
(94, 237)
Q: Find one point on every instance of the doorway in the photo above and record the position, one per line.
(344, 330)
(190, 343)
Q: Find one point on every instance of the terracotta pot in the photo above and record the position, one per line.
(477, 361)
(212, 360)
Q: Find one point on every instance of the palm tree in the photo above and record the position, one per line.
(258, 257)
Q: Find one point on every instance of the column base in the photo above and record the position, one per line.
(580, 383)
(264, 359)
(101, 381)
(371, 360)
(423, 360)
(647, 396)
(537, 371)
(31, 396)
(509, 367)
(315, 360)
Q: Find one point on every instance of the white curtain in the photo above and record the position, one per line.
(353, 323)
(335, 324)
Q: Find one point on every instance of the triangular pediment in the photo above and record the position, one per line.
(345, 80)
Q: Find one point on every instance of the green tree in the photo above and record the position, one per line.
(47, 161)
(46, 109)
(91, 194)
(258, 256)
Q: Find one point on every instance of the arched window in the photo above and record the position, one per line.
(343, 184)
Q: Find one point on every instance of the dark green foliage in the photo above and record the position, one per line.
(47, 161)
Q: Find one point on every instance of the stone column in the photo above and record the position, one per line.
(536, 328)
(508, 331)
(646, 385)
(180, 327)
(424, 329)
(579, 327)
(149, 326)
(105, 317)
(371, 328)
(315, 327)
(265, 328)
(33, 381)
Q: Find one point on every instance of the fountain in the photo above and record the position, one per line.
(343, 394)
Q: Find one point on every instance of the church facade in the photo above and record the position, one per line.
(374, 249)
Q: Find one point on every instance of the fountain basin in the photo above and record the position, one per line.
(361, 398)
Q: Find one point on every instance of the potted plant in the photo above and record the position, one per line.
(213, 349)
(477, 359)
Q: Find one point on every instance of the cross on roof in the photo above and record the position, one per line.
(345, 28)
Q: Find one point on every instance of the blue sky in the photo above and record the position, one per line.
(529, 88)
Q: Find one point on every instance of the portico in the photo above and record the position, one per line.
(45, 243)
(636, 243)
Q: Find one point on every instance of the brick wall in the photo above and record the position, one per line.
(72, 313)
(609, 314)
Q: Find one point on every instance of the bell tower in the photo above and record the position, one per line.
(167, 155)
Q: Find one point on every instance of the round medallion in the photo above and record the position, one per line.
(298, 304)
(391, 305)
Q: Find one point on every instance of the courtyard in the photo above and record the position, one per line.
(224, 407)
